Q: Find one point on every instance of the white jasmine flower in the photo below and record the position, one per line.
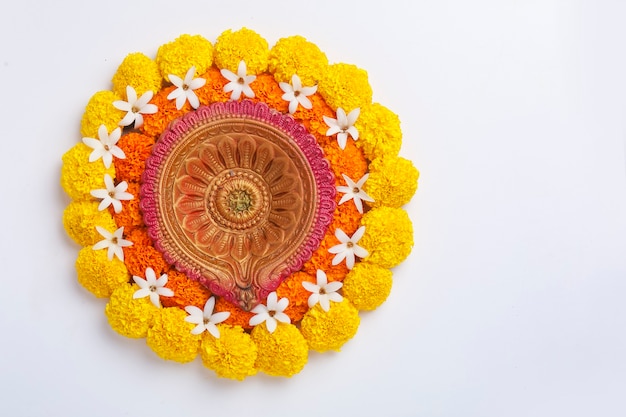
(324, 292)
(206, 320)
(134, 107)
(348, 247)
(112, 194)
(343, 126)
(105, 148)
(185, 89)
(296, 94)
(239, 83)
(354, 192)
(152, 287)
(272, 313)
(112, 241)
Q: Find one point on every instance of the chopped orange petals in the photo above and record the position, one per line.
(297, 295)
(237, 317)
(137, 148)
(130, 216)
(186, 291)
(213, 90)
(155, 124)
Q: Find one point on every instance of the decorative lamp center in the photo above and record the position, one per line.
(239, 201)
(237, 196)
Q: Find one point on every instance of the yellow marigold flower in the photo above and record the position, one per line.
(100, 111)
(392, 181)
(79, 176)
(379, 131)
(388, 236)
(80, 219)
(232, 356)
(184, 52)
(296, 55)
(345, 86)
(367, 286)
(128, 316)
(170, 336)
(282, 353)
(242, 45)
(138, 71)
(99, 275)
(329, 330)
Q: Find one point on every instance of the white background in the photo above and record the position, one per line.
(513, 300)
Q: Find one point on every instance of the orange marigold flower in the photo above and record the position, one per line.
(297, 295)
(346, 217)
(137, 148)
(237, 317)
(349, 161)
(313, 119)
(131, 215)
(155, 124)
(267, 90)
(322, 259)
(187, 292)
(213, 90)
(139, 236)
(139, 257)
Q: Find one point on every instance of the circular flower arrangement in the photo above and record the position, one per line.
(238, 203)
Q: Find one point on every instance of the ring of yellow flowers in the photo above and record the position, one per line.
(369, 234)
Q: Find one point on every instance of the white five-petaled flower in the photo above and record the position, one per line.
(112, 194)
(135, 107)
(105, 148)
(238, 83)
(354, 191)
(152, 287)
(272, 313)
(343, 126)
(296, 94)
(323, 292)
(184, 90)
(112, 241)
(206, 320)
(348, 247)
